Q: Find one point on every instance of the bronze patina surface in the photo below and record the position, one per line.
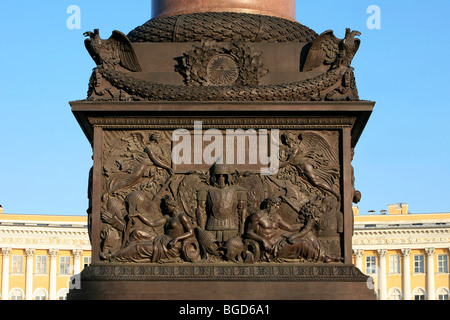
(222, 142)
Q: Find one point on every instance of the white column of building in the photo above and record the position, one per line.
(430, 273)
(5, 273)
(29, 274)
(406, 274)
(358, 259)
(382, 285)
(76, 260)
(53, 270)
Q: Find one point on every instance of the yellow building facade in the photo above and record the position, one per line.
(406, 254)
(40, 253)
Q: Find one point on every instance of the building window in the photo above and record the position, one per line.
(17, 264)
(442, 260)
(87, 261)
(394, 263)
(371, 264)
(419, 294)
(62, 294)
(16, 294)
(40, 294)
(64, 265)
(419, 263)
(443, 294)
(41, 264)
(395, 294)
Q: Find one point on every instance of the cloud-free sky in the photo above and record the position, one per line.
(402, 156)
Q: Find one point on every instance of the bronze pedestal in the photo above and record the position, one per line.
(222, 146)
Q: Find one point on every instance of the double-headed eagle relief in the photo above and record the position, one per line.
(151, 213)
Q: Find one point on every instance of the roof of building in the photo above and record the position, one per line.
(43, 220)
(398, 216)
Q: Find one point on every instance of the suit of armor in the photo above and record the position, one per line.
(222, 207)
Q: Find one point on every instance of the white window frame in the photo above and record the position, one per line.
(17, 264)
(419, 292)
(442, 262)
(13, 295)
(87, 261)
(395, 293)
(419, 264)
(443, 294)
(62, 294)
(64, 266)
(41, 266)
(371, 264)
(41, 293)
(394, 264)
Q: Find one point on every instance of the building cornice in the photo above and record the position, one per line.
(45, 238)
(414, 238)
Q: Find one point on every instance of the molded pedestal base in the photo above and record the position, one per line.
(222, 282)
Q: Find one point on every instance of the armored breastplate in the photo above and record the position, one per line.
(223, 203)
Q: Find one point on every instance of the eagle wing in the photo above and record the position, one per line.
(324, 49)
(92, 52)
(128, 57)
(356, 46)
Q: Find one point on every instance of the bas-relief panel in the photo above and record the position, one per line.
(152, 212)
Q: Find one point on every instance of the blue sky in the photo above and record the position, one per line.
(402, 156)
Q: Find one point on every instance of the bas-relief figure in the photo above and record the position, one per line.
(177, 240)
(312, 156)
(151, 213)
(221, 212)
(264, 227)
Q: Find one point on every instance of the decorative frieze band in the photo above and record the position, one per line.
(402, 237)
(223, 122)
(34, 238)
(222, 272)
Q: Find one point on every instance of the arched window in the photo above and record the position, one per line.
(16, 294)
(442, 294)
(62, 294)
(40, 294)
(395, 294)
(419, 294)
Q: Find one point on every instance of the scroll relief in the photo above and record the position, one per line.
(155, 211)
